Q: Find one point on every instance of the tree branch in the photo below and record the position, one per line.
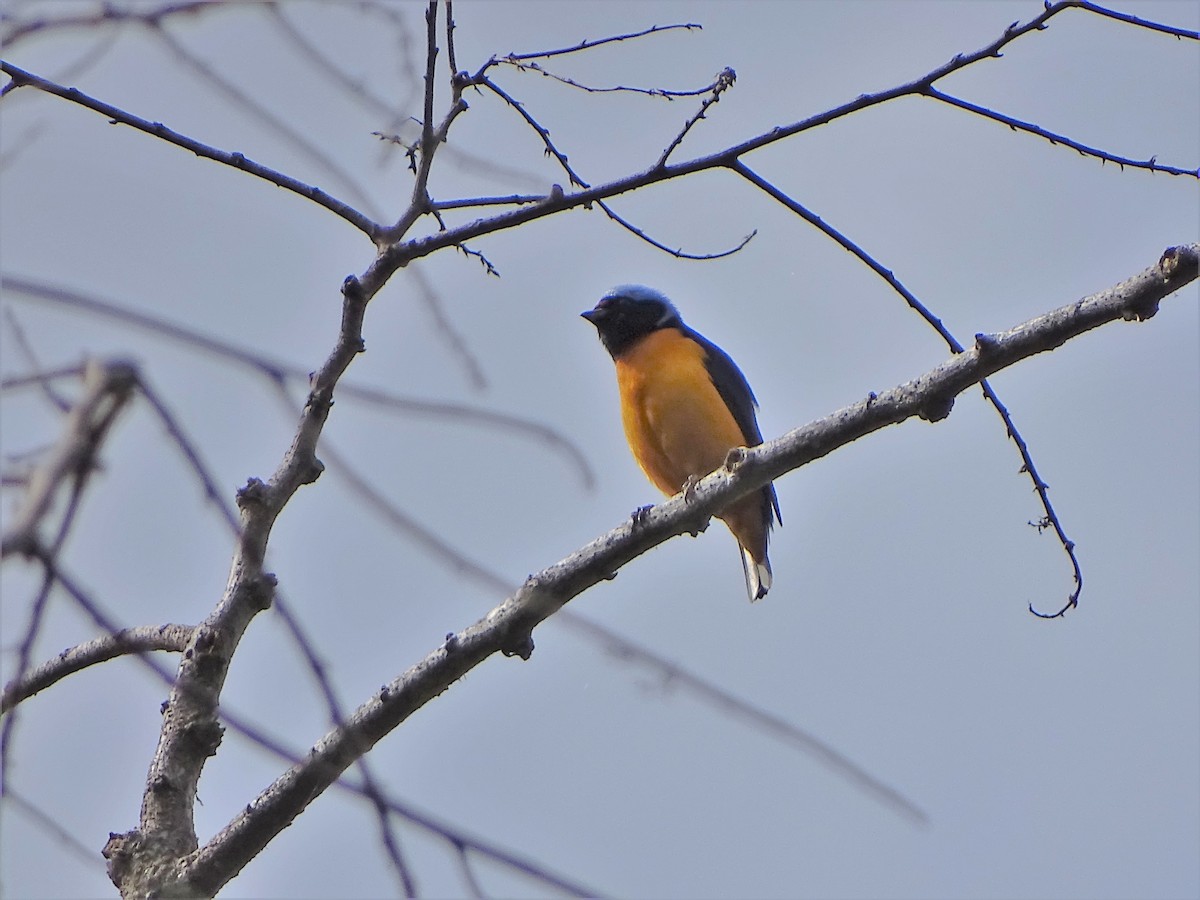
(141, 861)
(278, 372)
(118, 116)
(143, 639)
(107, 387)
(1150, 164)
(508, 628)
(588, 45)
(1050, 519)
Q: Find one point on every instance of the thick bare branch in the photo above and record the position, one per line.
(141, 861)
(508, 628)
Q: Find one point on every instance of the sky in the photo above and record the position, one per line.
(1052, 759)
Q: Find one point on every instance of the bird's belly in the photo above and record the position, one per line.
(678, 427)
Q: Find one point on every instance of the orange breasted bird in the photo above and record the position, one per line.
(685, 404)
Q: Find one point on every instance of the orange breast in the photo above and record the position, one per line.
(676, 423)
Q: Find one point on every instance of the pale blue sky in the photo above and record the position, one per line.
(1054, 759)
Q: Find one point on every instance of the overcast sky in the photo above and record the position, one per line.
(1052, 758)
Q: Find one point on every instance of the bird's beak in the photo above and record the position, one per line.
(593, 314)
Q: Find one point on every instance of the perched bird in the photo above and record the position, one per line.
(685, 405)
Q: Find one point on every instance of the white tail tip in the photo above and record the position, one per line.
(758, 576)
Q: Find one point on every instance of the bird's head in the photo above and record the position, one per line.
(629, 312)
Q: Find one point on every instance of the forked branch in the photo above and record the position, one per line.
(508, 628)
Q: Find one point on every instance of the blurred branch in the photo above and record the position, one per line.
(446, 328)
(544, 133)
(1137, 20)
(107, 387)
(508, 628)
(278, 372)
(677, 252)
(398, 253)
(353, 87)
(106, 14)
(47, 822)
(44, 380)
(263, 114)
(456, 837)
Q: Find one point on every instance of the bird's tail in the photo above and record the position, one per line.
(758, 575)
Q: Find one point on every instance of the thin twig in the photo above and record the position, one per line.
(723, 83)
(431, 50)
(21, 78)
(107, 388)
(431, 140)
(1137, 20)
(1150, 164)
(677, 252)
(445, 328)
(451, 60)
(543, 133)
(588, 45)
(263, 115)
(510, 200)
(1051, 517)
(663, 93)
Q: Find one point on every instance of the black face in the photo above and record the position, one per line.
(622, 320)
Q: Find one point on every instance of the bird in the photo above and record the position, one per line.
(685, 404)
